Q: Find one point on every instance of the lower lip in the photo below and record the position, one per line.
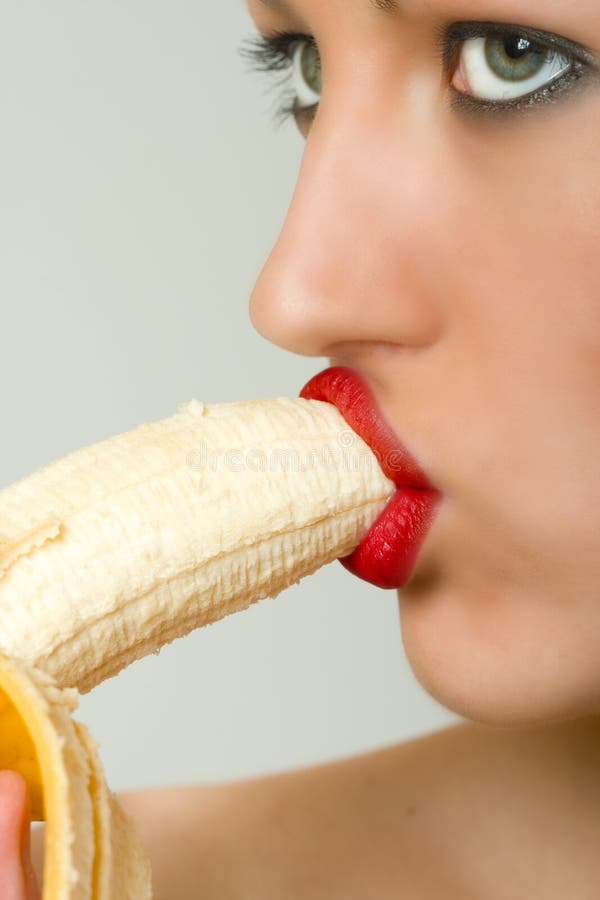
(387, 555)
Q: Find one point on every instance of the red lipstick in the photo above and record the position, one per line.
(388, 553)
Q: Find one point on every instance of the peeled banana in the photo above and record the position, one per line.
(121, 547)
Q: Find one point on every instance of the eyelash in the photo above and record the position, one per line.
(273, 54)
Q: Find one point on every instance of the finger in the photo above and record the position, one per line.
(15, 864)
(32, 891)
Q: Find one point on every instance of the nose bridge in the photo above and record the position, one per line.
(340, 214)
(374, 134)
(352, 169)
(346, 263)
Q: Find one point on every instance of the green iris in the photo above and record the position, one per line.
(311, 67)
(514, 58)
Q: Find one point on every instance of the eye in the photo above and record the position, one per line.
(306, 74)
(506, 67)
(498, 69)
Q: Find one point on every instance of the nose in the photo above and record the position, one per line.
(356, 257)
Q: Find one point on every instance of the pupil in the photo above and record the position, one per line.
(515, 47)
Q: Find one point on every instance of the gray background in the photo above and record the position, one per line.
(142, 185)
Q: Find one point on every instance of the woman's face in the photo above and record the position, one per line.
(452, 257)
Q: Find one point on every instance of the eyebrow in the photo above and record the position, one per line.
(282, 5)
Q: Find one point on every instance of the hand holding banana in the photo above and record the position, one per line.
(123, 546)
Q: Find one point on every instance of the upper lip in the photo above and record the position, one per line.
(351, 394)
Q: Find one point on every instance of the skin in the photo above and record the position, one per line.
(453, 262)
(17, 878)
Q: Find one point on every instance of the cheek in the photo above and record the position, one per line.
(532, 227)
(522, 366)
(504, 625)
(516, 432)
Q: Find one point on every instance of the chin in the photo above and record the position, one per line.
(488, 662)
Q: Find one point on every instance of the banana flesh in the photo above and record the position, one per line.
(121, 547)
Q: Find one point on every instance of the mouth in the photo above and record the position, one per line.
(387, 555)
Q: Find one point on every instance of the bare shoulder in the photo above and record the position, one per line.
(369, 825)
(351, 829)
(188, 834)
(447, 814)
(444, 815)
